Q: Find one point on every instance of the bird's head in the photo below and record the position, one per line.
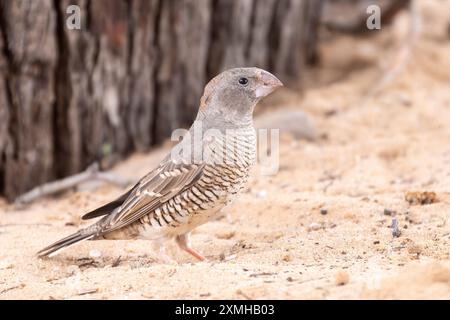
(232, 95)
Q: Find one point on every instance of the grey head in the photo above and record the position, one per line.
(230, 98)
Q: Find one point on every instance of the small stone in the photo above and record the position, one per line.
(226, 235)
(323, 211)
(405, 100)
(387, 212)
(414, 249)
(315, 226)
(230, 257)
(376, 242)
(421, 198)
(341, 278)
(95, 253)
(262, 194)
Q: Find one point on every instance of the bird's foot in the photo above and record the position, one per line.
(196, 254)
(184, 242)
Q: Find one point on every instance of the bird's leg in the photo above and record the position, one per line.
(184, 242)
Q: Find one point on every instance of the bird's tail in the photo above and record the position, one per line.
(66, 242)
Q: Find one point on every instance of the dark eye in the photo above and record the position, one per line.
(243, 81)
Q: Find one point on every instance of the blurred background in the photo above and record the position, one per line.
(134, 70)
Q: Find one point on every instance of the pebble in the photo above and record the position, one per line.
(341, 278)
(315, 226)
(323, 211)
(414, 249)
(226, 235)
(95, 253)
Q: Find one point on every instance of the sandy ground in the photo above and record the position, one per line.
(279, 243)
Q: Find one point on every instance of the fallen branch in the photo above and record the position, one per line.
(91, 173)
(20, 286)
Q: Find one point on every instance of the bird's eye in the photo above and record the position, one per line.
(243, 81)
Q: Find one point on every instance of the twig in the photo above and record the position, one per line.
(255, 275)
(331, 178)
(91, 173)
(242, 293)
(403, 57)
(116, 262)
(20, 286)
(24, 225)
(395, 230)
(89, 291)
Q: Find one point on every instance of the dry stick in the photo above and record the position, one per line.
(242, 293)
(394, 228)
(20, 286)
(91, 173)
(403, 57)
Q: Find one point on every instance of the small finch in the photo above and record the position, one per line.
(200, 176)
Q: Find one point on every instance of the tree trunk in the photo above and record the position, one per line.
(133, 73)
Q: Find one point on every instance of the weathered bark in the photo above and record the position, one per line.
(182, 42)
(288, 49)
(312, 16)
(142, 68)
(4, 113)
(30, 54)
(133, 73)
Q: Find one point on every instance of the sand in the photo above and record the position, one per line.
(318, 229)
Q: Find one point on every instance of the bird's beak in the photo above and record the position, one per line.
(268, 83)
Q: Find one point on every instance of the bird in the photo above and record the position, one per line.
(199, 177)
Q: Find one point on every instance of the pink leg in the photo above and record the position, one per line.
(184, 242)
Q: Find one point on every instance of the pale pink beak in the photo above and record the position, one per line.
(268, 84)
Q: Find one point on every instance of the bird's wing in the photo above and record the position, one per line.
(107, 208)
(160, 185)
